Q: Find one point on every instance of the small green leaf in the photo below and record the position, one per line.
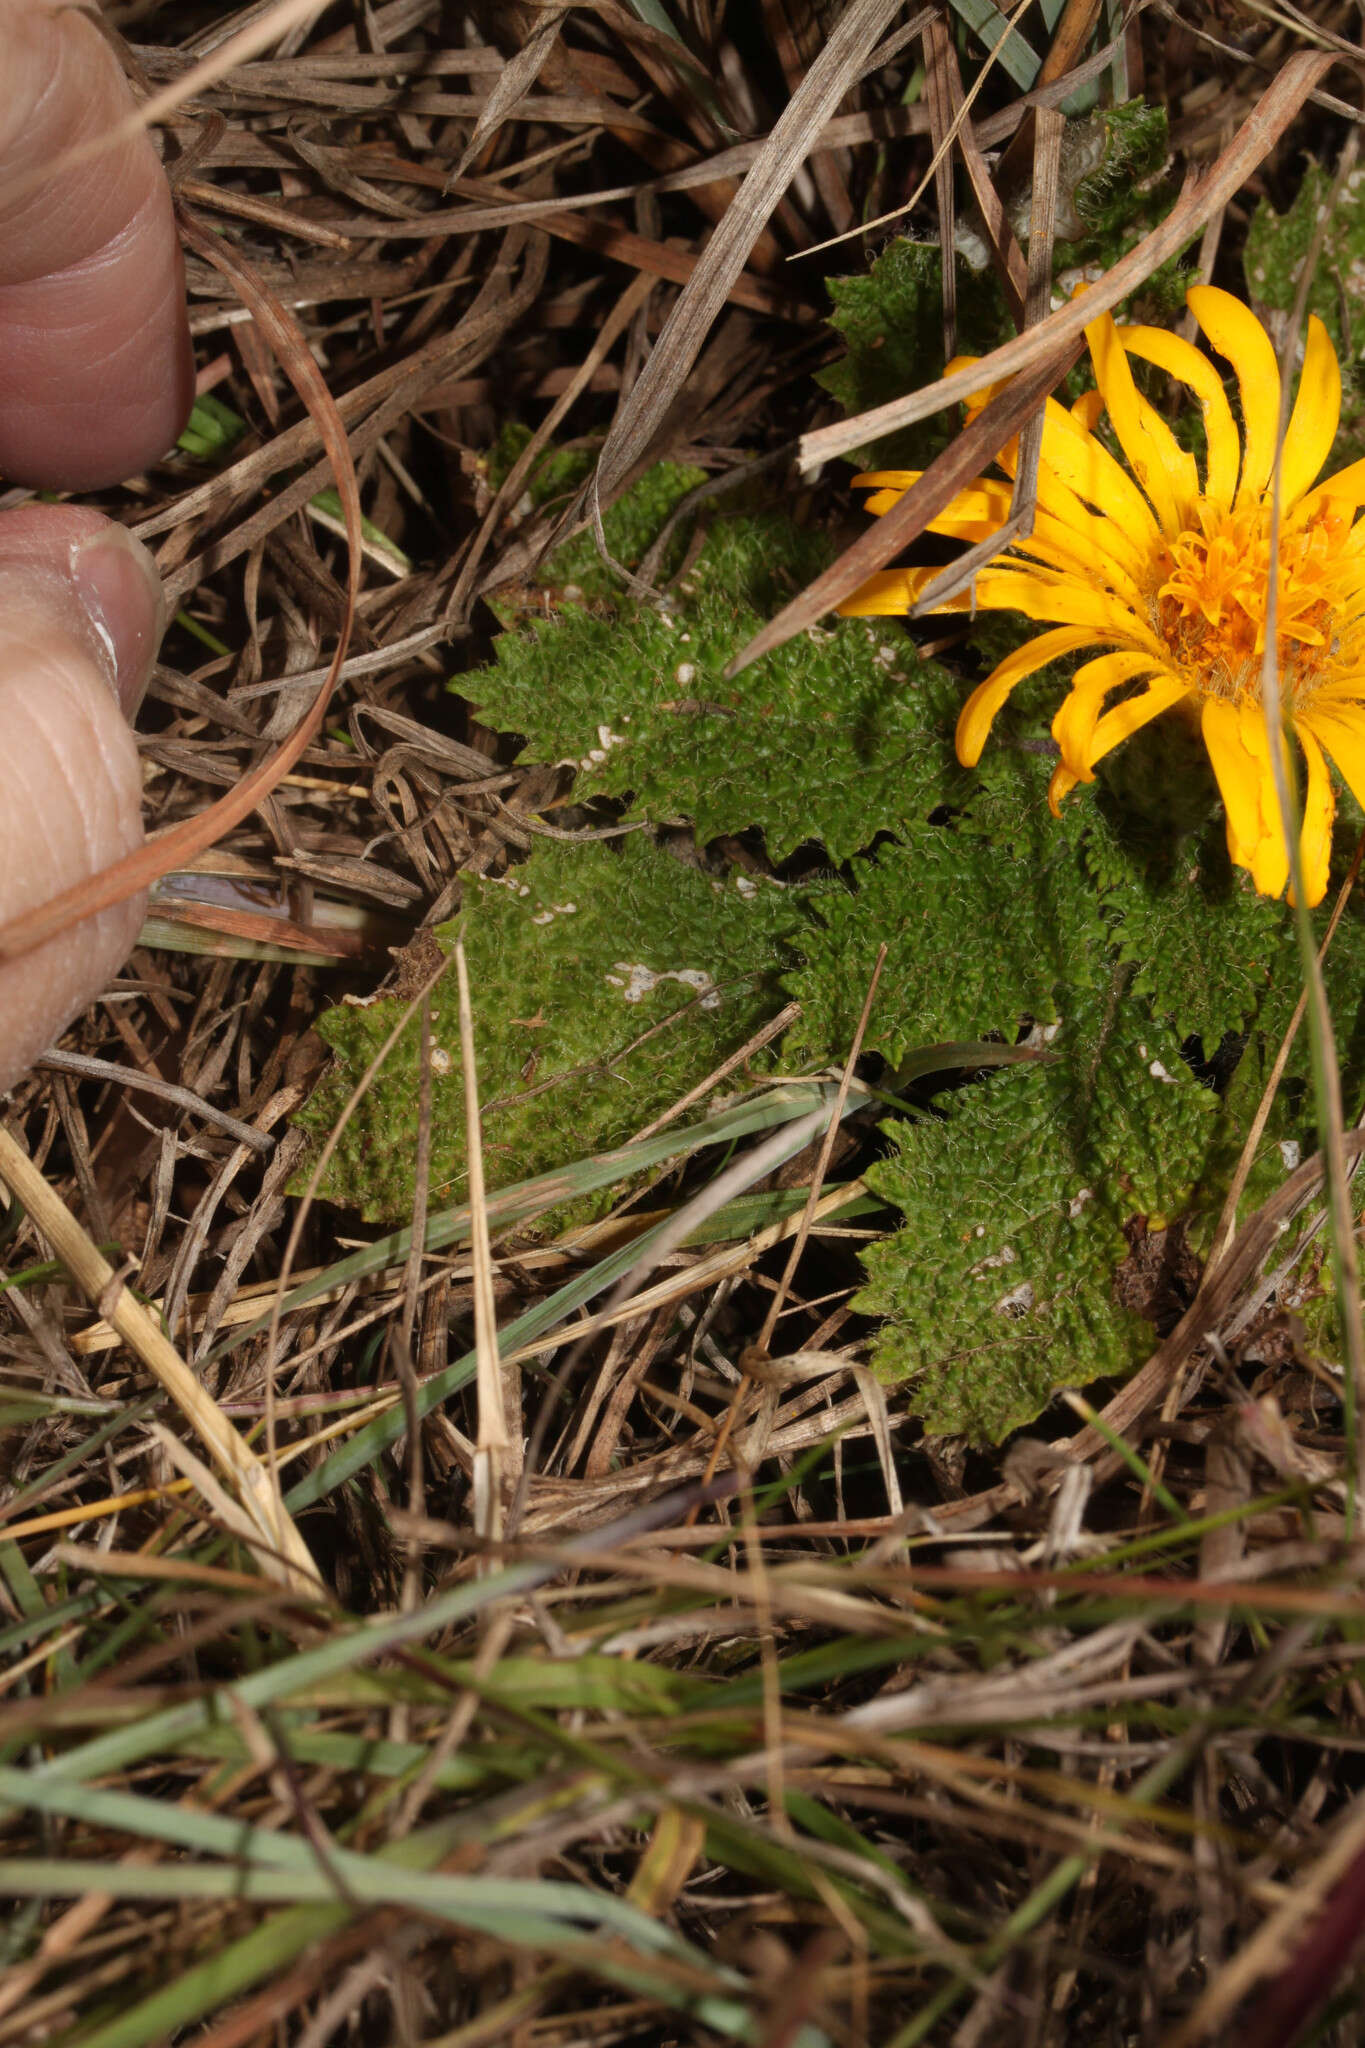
(628, 527)
(891, 318)
(211, 429)
(999, 1286)
(982, 933)
(838, 735)
(607, 982)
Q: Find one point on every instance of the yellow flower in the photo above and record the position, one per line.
(1169, 576)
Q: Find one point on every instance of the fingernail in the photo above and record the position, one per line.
(118, 583)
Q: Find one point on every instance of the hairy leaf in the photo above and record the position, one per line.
(999, 1285)
(1176, 906)
(1112, 186)
(837, 736)
(606, 984)
(986, 919)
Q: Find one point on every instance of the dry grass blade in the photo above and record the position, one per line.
(964, 458)
(1047, 156)
(1005, 252)
(166, 1091)
(494, 1465)
(938, 91)
(512, 83)
(706, 291)
(282, 1551)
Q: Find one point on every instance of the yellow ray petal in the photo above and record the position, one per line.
(1102, 538)
(1180, 358)
(1319, 806)
(890, 593)
(1237, 334)
(1161, 694)
(1064, 600)
(1074, 726)
(1060, 788)
(1088, 410)
(1346, 490)
(1235, 737)
(1087, 468)
(1313, 424)
(983, 504)
(961, 526)
(978, 713)
(1164, 469)
(1341, 730)
(1061, 547)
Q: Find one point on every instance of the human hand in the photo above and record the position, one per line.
(96, 380)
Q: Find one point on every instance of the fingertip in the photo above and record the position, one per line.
(70, 805)
(97, 581)
(116, 579)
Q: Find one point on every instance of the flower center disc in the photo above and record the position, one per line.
(1210, 607)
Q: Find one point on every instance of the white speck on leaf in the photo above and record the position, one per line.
(606, 740)
(1006, 1256)
(640, 980)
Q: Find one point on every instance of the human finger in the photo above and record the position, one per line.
(80, 617)
(96, 369)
